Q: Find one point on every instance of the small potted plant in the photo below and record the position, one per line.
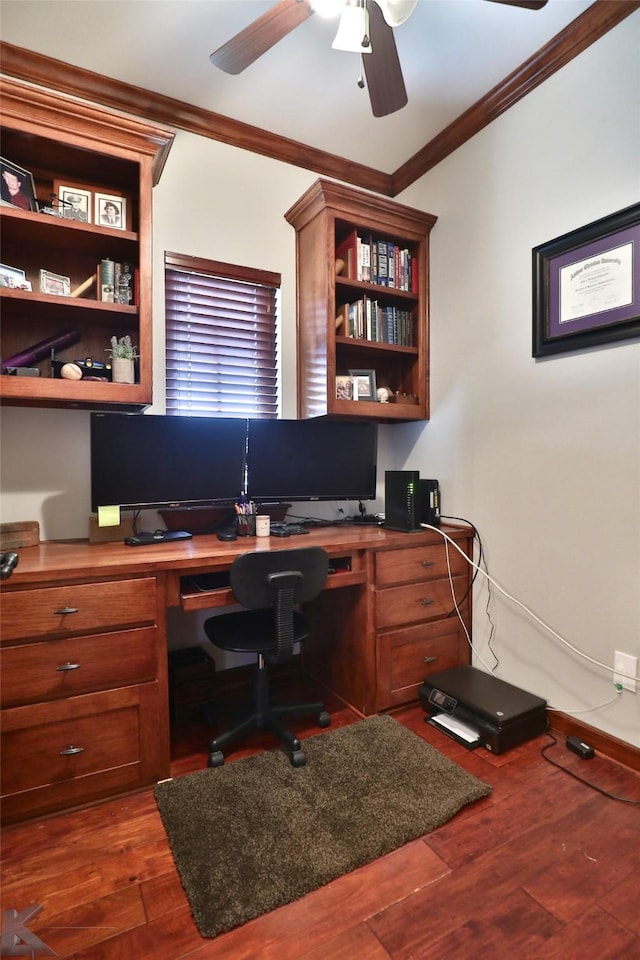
(123, 353)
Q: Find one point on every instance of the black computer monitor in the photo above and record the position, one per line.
(291, 460)
(145, 461)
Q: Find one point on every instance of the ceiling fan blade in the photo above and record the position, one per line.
(241, 51)
(527, 4)
(382, 69)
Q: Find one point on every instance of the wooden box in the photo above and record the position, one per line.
(21, 533)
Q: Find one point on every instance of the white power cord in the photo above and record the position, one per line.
(519, 603)
(457, 608)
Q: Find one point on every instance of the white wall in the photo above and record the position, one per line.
(544, 457)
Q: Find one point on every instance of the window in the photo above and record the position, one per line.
(221, 349)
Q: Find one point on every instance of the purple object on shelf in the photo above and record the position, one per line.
(42, 349)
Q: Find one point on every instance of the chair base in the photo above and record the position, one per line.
(266, 717)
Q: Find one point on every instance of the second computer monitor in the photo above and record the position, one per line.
(293, 460)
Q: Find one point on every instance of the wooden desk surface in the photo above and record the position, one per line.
(70, 559)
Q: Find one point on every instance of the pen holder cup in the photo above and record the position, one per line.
(246, 525)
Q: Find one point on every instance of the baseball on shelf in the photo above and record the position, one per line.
(71, 371)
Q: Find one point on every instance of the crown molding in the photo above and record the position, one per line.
(38, 69)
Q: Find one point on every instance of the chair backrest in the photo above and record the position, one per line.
(279, 580)
(255, 583)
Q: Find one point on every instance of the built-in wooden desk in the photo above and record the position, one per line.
(83, 650)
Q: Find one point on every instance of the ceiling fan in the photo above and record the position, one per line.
(366, 26)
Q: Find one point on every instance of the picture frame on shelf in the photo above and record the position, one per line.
(54, 284)
(17, 187)
(111, 211)
(586, 285)
(364, 384)
(75, 203)
(344, 388)
(13, 277)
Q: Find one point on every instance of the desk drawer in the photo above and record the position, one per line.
(70, 739)
(416, 563)
(67, 667)
(417, 602)
(406, 657)
(77, 609)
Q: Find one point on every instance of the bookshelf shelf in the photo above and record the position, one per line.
(362, 300)
(59, 140)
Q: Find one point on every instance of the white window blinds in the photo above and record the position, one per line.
(221, 350)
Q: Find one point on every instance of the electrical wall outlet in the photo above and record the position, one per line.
(628, 665)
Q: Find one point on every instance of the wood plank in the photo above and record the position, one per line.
(358, 943)
(504, 926)
(81, 927)
(622, 902)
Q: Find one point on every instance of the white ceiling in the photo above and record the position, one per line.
(452, 53)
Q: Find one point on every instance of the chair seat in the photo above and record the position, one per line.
(271, 586)
(250, 631)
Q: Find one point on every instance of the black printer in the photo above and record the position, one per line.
(478, 709)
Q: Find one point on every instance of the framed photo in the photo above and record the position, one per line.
(55, 284)
(16, 186)
(364, 384)
(13, 277)
(74, 203)
(110, 211)
(586, 285)
(344, 388)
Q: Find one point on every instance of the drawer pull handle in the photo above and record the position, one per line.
(70, 751)
(430, 659)
(426, 602)
(64, 610)
(68, 666)
(428, 563)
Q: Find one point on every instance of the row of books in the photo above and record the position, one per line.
(366, 319)
(382, 262)
(117, 282)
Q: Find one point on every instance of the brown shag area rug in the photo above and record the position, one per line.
(258, 833)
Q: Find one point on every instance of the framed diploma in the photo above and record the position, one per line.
(586, 285)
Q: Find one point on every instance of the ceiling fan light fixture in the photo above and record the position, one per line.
(353, 30)
(396, 12)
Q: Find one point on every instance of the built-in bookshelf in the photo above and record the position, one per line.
(76, 256)
(362, 304)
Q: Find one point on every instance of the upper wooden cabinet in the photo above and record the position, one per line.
(350, 314)
(65, 143)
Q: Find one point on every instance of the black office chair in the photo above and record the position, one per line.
(269, 584)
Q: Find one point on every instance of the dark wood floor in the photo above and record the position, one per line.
(544, 868)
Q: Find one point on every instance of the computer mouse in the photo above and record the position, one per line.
(226, 535)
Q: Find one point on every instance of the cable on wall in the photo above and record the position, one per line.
(519, 603)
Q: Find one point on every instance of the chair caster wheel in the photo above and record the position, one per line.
(216, 759)
(298, 758)
(324, 720)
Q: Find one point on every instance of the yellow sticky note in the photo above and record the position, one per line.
(109, 516)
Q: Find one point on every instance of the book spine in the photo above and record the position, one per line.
(106, 281)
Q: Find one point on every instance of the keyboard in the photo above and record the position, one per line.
(280, 528)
